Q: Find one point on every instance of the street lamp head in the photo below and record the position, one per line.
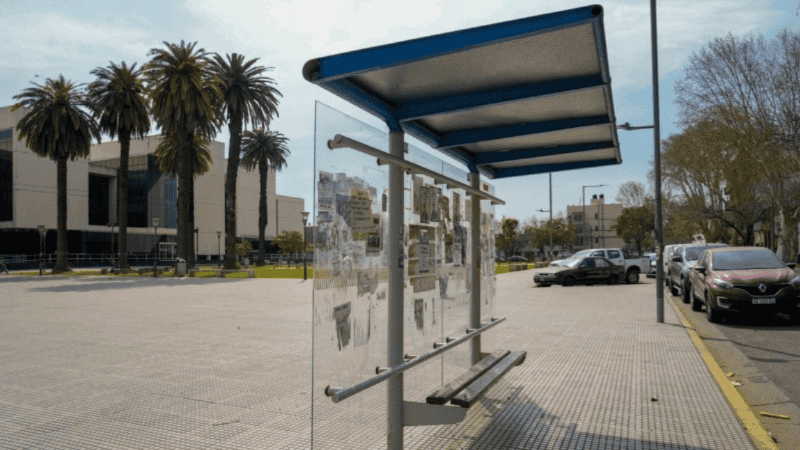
(41, 227)
(305, 217)
(155, 222)
(625, 126)
(219, 234)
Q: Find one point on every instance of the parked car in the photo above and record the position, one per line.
(632, 266)
(575, 270)
(651, 270)
(744, 279)
(669, 250)
(517, 259)
(683, 259)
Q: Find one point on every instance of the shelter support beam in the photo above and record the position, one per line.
(394, 413)
(475, 268)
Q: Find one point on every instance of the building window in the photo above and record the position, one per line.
(596, 228)
(596, 240)
(595, 216)
(99, 195)
(6, 176)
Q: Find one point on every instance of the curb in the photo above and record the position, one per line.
(755, 429)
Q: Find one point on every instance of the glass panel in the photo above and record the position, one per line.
(350, 307)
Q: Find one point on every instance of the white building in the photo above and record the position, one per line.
(28, 198)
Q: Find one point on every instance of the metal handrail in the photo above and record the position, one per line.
(338, 394)
(340, 141)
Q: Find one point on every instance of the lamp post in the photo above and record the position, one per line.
(155, 250)
(305, 267)
(113, 263)
(656, 163)
(550, 229)
(196, 245)
(41, 249)
(584, 207)
(219, 254)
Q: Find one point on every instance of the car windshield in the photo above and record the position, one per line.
(571, 262)
(747, 259)
(583, 253)
(692, 253)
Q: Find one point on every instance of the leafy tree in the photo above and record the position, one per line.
(57, 126)
(508, 241)
(247, 96)
(632, 193)
(119, 102)
(263, 149)
(291, 241)
(751, 85)
(635, 225)
(185, 105)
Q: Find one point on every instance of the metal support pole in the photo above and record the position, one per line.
(475, 268)
(394, 413)
(550, 176)
(657, 164)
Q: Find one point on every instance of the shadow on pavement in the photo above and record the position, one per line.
(86, 284)
(525, 425)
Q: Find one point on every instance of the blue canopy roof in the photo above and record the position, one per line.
(522, 97)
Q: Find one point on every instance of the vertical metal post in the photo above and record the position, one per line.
(550, 176)
(657, 164)
(475, 268)
(394, 408)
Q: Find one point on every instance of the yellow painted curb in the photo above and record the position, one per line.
(758, 434)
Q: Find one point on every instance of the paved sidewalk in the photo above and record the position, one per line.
(188, 363)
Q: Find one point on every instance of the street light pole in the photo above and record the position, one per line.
(41, 249)
(155, 250)
(584, 208)
(219, 254)
(550, 229)
(305, 268)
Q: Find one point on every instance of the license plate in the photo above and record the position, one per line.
(763, 300)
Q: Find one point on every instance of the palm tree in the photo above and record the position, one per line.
(264, 149)
(120, 105)
(57, 127)
(248, 96)
(167, 151)
(185, 106)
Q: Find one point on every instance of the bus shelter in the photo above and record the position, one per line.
(405, 243)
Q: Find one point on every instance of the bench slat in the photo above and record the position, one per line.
(448, 391)
(470, 394)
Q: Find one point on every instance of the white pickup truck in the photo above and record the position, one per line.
(633, 266)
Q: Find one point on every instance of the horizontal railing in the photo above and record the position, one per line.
(338, 394)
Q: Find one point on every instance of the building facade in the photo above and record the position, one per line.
(28, 199)
(594, 222)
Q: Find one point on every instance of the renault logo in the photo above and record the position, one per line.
(762, 287)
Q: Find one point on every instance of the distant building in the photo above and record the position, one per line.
(28, 198)
(594, 222)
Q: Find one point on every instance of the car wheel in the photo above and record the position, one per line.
(672, 288)
(712, 313)
(632, 277)
(569, 281)
(697, 304)
(687, 293)
(542, 285)
(613, 279)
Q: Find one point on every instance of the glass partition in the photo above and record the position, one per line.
(350, 279)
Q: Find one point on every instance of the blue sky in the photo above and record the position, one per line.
(48, 38)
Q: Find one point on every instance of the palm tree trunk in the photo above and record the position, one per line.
(62, 264)
(235, 128)
(262, 208)
(183, 195)
(190, 261)
(122, 206)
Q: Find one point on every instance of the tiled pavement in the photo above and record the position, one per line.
(105, 363)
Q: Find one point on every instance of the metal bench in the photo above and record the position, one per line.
(465, 389)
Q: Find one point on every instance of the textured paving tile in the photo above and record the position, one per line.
(225, 364)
